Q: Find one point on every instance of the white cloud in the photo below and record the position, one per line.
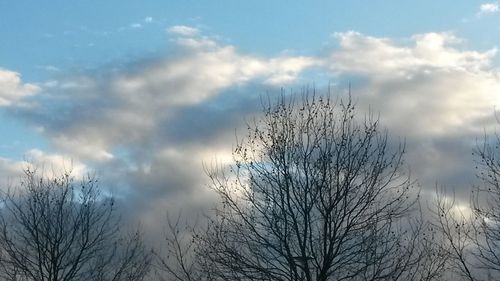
(195, 43)
(381, 57)
(285, 70)
(13, 90)
(50, 68)
(431, 91)
(128, 108)
(183, 30)
(488, 8)
(54, 164)
(49, 165)
(207, 69)
(148, 19)
(135, 25)
(82, 146)
(448, 89)
(50, 84)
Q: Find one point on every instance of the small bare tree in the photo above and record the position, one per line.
(128, 260)
(180, 262)
(58, 230)
(454, 230)
(485, 205)
(471, 235)
(316, 194)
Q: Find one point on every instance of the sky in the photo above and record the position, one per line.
(145, 93)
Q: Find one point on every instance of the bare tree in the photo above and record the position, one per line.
(128, 260)
(454, 230)
(485, 205)
(180, 261)
(59, 230)
(471, 235)
(315, 194)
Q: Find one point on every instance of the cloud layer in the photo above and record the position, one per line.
(428, 90)
(429, 86)
(148, 128)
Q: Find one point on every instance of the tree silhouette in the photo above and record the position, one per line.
(485, 205)
(58, 230)
(472, 235)
(316, 193)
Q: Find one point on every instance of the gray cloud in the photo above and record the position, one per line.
(148, 128)
(440, 98)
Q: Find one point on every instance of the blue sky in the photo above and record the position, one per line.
(74, 34)
(144, 92)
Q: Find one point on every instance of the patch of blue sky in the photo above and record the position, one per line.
(84, 34)
(17, 138)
